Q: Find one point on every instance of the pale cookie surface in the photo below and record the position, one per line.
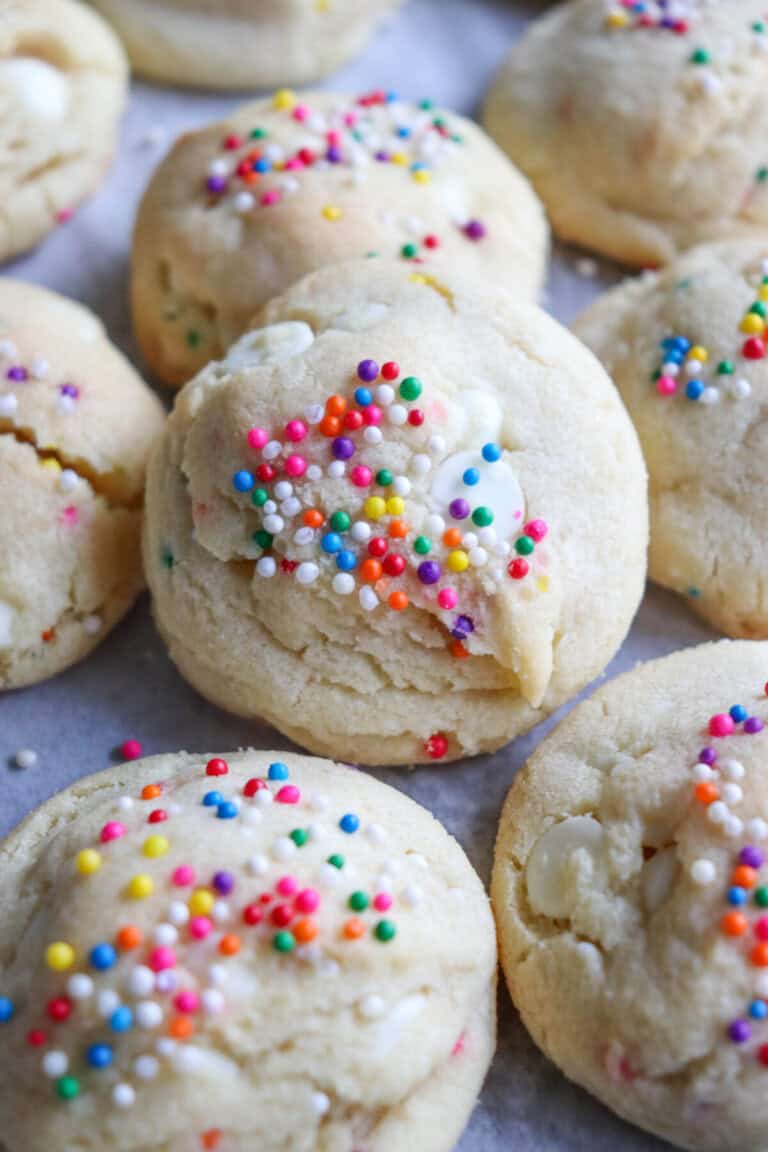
(400, 522)
(630, 889)
(644, 131)
(76, 426)
(687, 350)
(62, 88)
(262, 951)
(243, 43)
(241, 210)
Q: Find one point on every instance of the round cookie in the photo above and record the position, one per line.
(263, 952)
(243, 43)
(687, 350)
(374, 525)
(241, 210)
(629, 888)
(76, 426)
(63, 79)
(642, 127)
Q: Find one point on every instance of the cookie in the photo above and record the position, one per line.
(629, 887)
(63, 81)
(687, 350)
(243, 43)
(642, 127)
(241, 210)
(76, 426)
(258, 952)
(373, 525)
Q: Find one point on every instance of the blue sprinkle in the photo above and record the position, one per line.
(7, 1010)
(694, 389)
(121, 1019)
(392, 97)
(349, 823)
(758, 1010)
(737, 896)
(471, 477)
(227, 810)
(278, 771)
(212, 799)
(363, 397)
(491, 453)
(404, 132)
(346, 561)
(331, 542)
(99, 1055)
(738, 713)
(243, 480)
(102, 957)
(262, 165)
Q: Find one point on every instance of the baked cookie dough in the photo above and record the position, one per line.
(243, 43)
(643, 127)
(63, 80)
(255, 952)
(76, 426)
(241, 210)
(630, 887)
(402, 521)
(687, 350)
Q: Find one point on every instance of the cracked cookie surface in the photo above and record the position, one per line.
(629, 888)
(256, 951)
(63, 78)
(372, 525)
(76, 426)
(687, 350)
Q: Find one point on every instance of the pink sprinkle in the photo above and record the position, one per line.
(287, 885)
(372, 415)
(112, 831)
(64, 214)
(460, 1045)
(666, 385)
(308, 901)
(294, 164)
(288, 794)
(536, 529)
(350, 118)
(301, 112)
(333, 137)
(271, 197)
(162, 959)
(187, 1002)
(295, 430)
(70, 515)
(361, 476)
(761, 928)
(721, 725)
(131, 749)
(257, 438)
(295, 466)
(447, 598)
(200, 927)
(183, 876)
(382, 902)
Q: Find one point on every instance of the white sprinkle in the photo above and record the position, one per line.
(274, 524)
(385, 395)
(271, 450)
(178, 913)
(165, 1047)
(398, 415)
(401, 485)
(283, 489)
(360, 532)
(670, 369)
(314, 472)
(702, 772)
(313, 414)
(123, 1096)
(435, 524)
(371, 1007)
(218, 975)
(315, 831)
(141, 981)
(368, 599)
(487, 537)
(586, 268)
(146, 1067)
(92, 625)
(263, 798)
(375, 833)
(710, 396)
(80, 986)
(421, 464)
(318, 802)
(320, 1103)
(149, 1014)
(107, 1002)
(55, 1064)
(167, 981)
(283, 848)
(373, 435)
(266, 567)
(212, 1001)
(478, 557)
(343, 584)
(252, 816)
(732, 793)
(8, 350)
(734, 826)
(290, 507)
(757, 829)
(740, 388)
(244, 202)
(717, 813)
(221, 912)
(412, 895)
(469, 540)
(65, 403)
(125, 803)
(330, 876)
(703, 872)
(304, 536)
(9, 405)
(336, 469)
(25, 758)
(436, 445)
(384, 883)
(307, 572)
(693, 367)
(218, 167)
(188, 1058)
(732, 769)
(165, 935)
(416, 859)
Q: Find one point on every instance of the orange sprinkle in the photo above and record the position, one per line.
(398, 529)
(211, 1139)
(305, 930)
(398, 601)
(330, 425)
(313, 518)
(250, 177)
(759, 955)
(452, 538)
(181, 1028)
(129, 937)
(458, 650)
(335, 406)
(734, 924)
(744, 877)
(230, 945)
(354, 928)
(706, 792)
(151, 791)
(48, 635)
(370, 571)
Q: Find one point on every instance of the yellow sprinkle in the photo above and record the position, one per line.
(698, 353)
(201, 902)
(398, 158)
(59, 956)
(458, 561)
(331, 212)
(543, 583)
(50, 463)
(418, 278)
(763, 292)
(421, 176)
(141, 887)
(617, 19)
(155, 846)
(284, 99)
(88, 861)
(752, 324)
(323, 5)
(375, 508)
(395, 506)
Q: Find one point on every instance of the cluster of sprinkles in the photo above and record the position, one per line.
(718, 790)
(253, 172)
(366, 545)
(691, 369)
(159, 973)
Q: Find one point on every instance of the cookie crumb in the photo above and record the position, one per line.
(25, 758)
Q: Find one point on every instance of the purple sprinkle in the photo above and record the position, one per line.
(707, 756)
(474, 230)
(465, 623)
(216, 184)
(70, 390)
(458, 634)
(343, 448)
(382, 157)
(739, 1031)
(429, 572)
(367, 371)
(459, 509)
(753, 725)
(751, 856)
(224, 882)
(334, 155)
(17, 373)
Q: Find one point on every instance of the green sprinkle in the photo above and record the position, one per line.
(68, 1087)
(759, 308)
(761, 176)
(283, 942)
(694, 593)
(438, 122)
(524, 546)
(300, 837)
(168, 560)
(409, 251)
(340, 521)
(482, 516)
(358, 901)
(411, 388)
(422, 545)
(336, 860)
(259, 133)
(700, 56)
(758, 27)
(761, 897)
(259, 497)
(385, 931)
(725, 368)
(194, 339)
(263, 539)
(425, 105)
(384, 477)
